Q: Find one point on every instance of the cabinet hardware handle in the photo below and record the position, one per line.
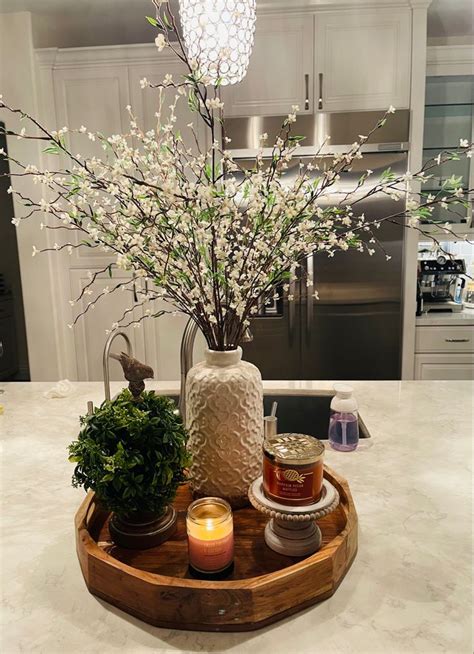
(1, 348)
(306, 87)
(309, 295)
(291, 310)
(320, 100)
(457, 340)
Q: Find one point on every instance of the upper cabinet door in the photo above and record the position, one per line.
(145, 101)
(280, 73)
(362, 59)
(93, 96)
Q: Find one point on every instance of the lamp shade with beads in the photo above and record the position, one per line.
(218, 35)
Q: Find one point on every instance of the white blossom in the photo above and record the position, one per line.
(196, 231)
(214, 103)
(160, 42)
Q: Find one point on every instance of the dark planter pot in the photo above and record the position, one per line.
(143, 529)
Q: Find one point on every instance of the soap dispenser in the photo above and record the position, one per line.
(344, 419)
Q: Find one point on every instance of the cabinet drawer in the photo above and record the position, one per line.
(444, 339)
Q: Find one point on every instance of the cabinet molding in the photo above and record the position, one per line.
(266, 7)
(450, 60)
(107, 55)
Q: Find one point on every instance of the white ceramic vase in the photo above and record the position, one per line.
(224, 417)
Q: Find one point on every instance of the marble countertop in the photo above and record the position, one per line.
(446, 318)
(408, 591)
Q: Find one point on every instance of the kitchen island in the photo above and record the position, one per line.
(408, 590)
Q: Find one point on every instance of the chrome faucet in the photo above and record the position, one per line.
(106, 356)
(186, 358)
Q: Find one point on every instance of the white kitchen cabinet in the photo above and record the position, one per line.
(444, 366)
(90, 331)
(444, 352)
(92, 87)
(93, 96)
(362, 59)
(280, 72)
(445, 338)
(145, 101)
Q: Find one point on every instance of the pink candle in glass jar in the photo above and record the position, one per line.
(210, 535)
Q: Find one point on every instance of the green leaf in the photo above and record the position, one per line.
(52, 149)
(296, 139)
(193, 103)
(152, 21)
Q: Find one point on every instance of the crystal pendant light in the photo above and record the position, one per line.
(219, 36)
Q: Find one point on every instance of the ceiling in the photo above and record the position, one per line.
(69, 23)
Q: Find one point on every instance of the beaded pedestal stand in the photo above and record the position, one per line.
(292, 530)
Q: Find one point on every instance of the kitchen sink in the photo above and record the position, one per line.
(303, 414)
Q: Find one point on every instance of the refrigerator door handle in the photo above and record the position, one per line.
(309, 295)
(291, 309)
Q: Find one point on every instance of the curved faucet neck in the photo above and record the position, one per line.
(106, 355)
(186, 360)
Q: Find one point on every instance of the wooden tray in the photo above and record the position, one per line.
(155, 585)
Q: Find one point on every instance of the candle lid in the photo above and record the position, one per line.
(294, 449)
(209, 508)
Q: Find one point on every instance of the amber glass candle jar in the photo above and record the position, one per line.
(293, 469)
(210, 530)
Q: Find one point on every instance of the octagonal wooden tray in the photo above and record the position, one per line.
(156, 586)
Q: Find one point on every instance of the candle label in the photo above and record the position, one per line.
(211, 555)
(289, 483)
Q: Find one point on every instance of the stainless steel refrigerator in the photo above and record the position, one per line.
(354, 330)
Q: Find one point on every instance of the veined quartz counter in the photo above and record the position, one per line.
(408, 591)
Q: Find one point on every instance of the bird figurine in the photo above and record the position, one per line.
(134, 372)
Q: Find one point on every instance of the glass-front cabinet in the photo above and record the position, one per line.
(449, 111)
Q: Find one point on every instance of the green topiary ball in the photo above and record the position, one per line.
(132, 454)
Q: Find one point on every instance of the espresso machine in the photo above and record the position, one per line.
(440, 284)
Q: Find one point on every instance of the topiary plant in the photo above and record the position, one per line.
(131, 453)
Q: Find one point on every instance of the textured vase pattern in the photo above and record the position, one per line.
(224, 416)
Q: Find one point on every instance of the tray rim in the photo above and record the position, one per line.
(93, 549)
